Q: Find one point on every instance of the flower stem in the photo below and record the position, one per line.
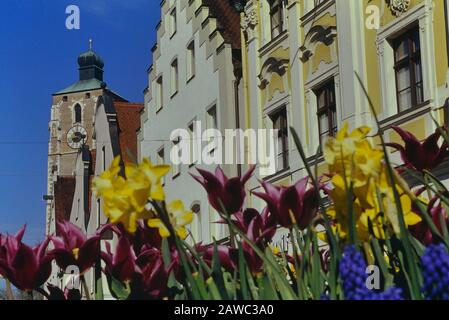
(85, 288)
(9, 293)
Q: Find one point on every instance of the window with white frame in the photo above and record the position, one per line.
(196, 209)
(192, 143)
(160, 159)
(176, 168)
(190, 60)
(174, 78)
(103, 158)
(159, 93)
(212, 122)
(280, 123)
(173, 22)
(326, 111)
(276, 17)
(408, 69)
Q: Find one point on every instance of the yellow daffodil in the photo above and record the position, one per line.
(105, 180)
(154, 174)
(338, 151)
(356, 163)
(125, 199)
(179, 217)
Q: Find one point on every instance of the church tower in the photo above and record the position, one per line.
(71, 127)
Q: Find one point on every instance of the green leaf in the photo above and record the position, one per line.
(279, 278)
(99, 288)
(380, 259)
(252, 285)
(217, 273)
(242, 272)
(269, 291)
(201, 286)
(213, 289)
(120, 290)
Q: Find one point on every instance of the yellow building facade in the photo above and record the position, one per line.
(301, 60)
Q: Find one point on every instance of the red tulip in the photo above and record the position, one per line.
(72, 247)
(301, 202)
(27, 268)
(420, 156)
(221, 190)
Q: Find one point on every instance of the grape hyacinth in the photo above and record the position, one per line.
(352, 272)
(435, 264)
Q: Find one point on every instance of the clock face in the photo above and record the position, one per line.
(76, 137)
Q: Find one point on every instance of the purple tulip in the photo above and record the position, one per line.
(144, 237)
(226, 255)
(420, 156)
(295, 200)
(154, 273)
(27, 268)
(260, 227)
(72, 247)
(121, 265)
(222, 190)
(56, 293)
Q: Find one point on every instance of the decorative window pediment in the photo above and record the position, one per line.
(272, 65)
(317, 34)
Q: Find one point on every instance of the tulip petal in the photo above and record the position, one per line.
(20, 233)
(89, 253)
(248, 174)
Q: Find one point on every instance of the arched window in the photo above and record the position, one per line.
(196, 209)
(77, 111)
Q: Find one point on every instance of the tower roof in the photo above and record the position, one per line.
(90, 58)
(90, 73)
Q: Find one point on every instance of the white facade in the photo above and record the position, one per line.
(206, 84)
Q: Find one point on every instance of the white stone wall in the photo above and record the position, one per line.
(212, 85)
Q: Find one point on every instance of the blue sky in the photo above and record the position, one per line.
(37, 58)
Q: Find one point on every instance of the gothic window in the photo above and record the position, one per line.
(77, 113)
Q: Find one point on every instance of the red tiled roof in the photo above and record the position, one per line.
(228, 20)
(64, 191)
(128, 117)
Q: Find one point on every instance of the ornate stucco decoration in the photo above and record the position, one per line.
(317, 34)
(398, 7)
(249, 22)
(271, 66)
